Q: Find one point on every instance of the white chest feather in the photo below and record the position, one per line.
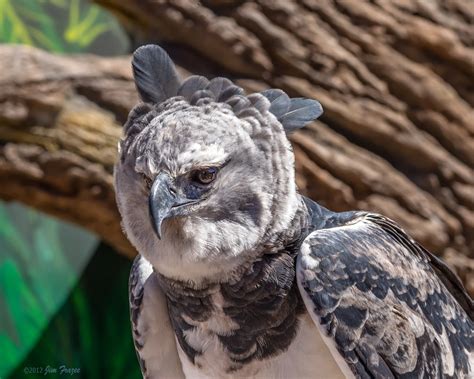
(306, 357)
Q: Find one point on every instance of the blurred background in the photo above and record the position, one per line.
(63, 293)
(395, 78)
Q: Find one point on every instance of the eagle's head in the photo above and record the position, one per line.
(205, 174)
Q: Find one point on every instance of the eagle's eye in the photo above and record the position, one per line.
(205, 176)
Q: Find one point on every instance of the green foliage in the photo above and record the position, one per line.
(91, 331)
(60, 26)
(59, 305)
(82, 31)
(41, 258)
(24, 22)
(40, 262)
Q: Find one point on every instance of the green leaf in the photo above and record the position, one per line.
(57, 25)
(84, 30)
(24, 21)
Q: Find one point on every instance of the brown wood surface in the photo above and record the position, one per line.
(395, 79)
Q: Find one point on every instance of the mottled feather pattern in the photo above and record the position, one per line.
(375, 294)
(262, 306)
(264, 311)
(135, 296)
(138, 118)
(219, 294)
(153, 336)
(449, 279)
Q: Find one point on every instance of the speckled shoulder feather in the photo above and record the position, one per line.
(391, 309)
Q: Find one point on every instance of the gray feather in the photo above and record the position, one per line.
(218, 85)
(229, 92)
(259, 102)
(191, 85)
(155, 74)
(238, 103)
(279, 101)
(199, 95)
(302, 111)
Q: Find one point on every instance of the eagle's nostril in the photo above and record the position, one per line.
(173, 190)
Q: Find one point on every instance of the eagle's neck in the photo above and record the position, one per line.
(252, 318)
(253, 315)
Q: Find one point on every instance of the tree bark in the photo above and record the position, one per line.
(394, 78)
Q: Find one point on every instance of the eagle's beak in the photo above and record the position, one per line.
(164, 201)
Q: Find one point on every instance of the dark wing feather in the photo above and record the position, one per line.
(135, 297)
(155, 75)
(218, 85)
(152, 332)
(191, 85)
(378, 295)
(444, 273)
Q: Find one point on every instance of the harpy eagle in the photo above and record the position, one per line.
(238, 275)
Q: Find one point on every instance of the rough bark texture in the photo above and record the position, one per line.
(394, 77)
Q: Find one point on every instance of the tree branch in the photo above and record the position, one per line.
(395, 80)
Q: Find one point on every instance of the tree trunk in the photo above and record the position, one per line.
(394, 78)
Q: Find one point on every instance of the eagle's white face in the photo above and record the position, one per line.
(199, 188)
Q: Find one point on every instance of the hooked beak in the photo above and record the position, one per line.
(162, 200)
